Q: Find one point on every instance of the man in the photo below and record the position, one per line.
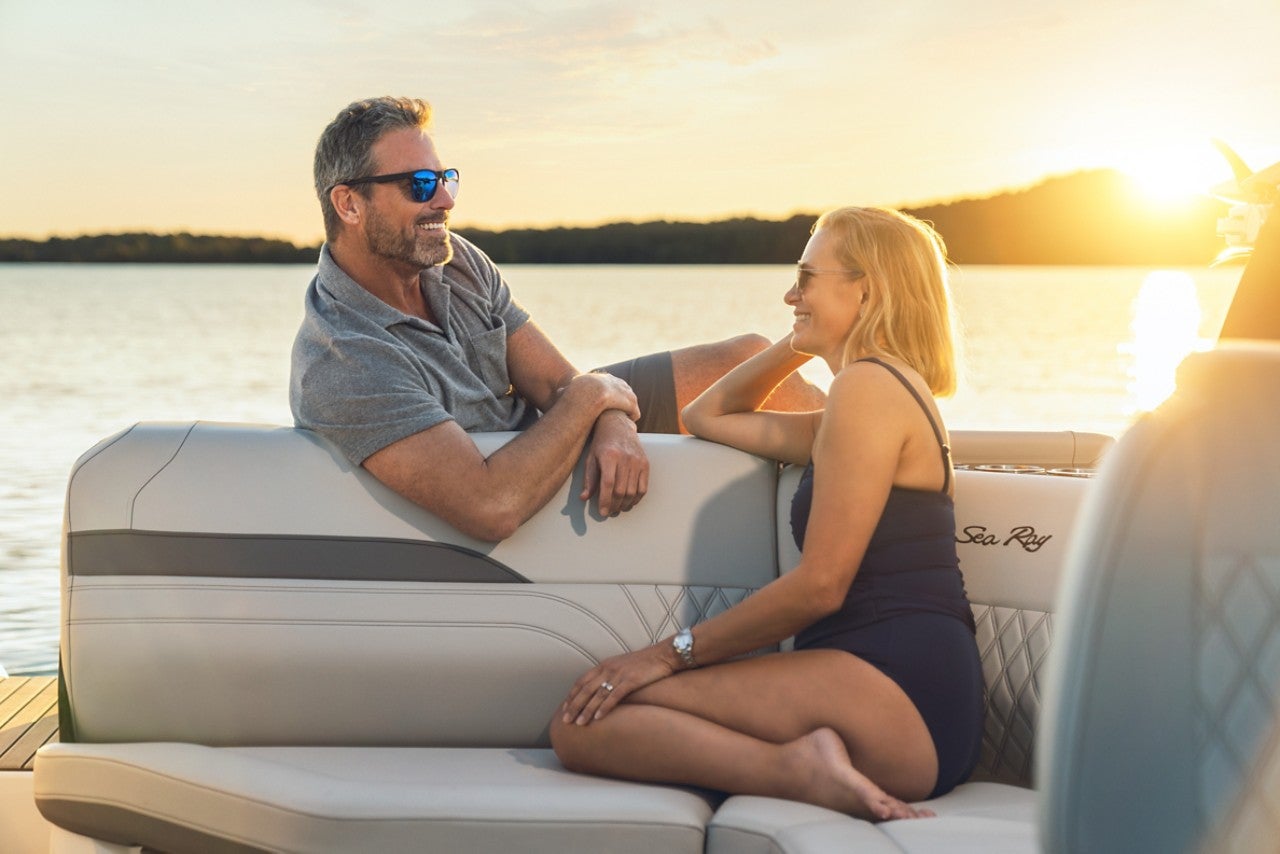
(411, 339)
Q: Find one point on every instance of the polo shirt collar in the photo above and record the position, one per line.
(344, 289)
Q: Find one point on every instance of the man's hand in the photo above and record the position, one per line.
(616, 464)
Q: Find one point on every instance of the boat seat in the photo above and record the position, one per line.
(263, 648)
(1160, 732)
(188, 797)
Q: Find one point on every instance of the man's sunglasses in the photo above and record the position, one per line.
(421, 183)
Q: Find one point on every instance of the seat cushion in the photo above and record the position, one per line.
(188, 797)
(975, 818)
(752, 825)
(991, 818)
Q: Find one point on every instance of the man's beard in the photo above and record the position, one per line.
(419, 248)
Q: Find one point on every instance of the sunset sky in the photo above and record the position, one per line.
(167, 116)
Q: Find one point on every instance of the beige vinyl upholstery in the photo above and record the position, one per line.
(240, 591)
(1159, 733)
(264, 648)
(990, 818)
(1045, 448)
(187, 797)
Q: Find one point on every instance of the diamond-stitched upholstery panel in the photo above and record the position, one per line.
(1013, 644)
(666, 609)
(1237, 678)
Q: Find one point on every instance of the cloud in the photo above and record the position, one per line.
(606, 42)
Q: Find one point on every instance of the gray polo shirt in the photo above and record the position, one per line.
(365, 375)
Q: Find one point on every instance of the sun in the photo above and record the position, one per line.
(1173, 175)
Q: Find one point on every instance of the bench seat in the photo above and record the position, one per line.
(187, 797)
(332, 668)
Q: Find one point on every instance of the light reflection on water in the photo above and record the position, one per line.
(1165, 329)
(89, 350)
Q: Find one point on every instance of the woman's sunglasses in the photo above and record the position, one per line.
(804, 275)
(421, 184)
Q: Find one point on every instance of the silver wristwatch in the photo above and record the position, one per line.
(682, 643)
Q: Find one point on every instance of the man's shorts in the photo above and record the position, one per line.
(653, 380)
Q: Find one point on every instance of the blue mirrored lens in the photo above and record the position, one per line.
(422, 186)
(451, 181)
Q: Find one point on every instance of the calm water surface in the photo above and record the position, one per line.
(89, 350)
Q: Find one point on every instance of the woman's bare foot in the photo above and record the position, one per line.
(828, 779)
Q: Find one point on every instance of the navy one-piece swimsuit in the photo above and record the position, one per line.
(906, 613)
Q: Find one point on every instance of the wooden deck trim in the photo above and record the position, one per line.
(28, 719)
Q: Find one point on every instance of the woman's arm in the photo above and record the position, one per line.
(728, 412)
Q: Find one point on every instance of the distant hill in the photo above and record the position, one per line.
(1089, 218)
(1093, 217)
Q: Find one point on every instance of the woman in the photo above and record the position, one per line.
(881, 703)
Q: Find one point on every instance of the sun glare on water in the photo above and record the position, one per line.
(1165, 327)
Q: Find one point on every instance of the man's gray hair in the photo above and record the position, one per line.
(343, 151)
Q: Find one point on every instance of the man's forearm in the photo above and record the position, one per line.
(488, 498)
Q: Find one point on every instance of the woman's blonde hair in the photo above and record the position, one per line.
(907, 314)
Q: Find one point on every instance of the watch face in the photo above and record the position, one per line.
(683, 643)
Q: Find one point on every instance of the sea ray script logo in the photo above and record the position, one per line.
(1023, 535)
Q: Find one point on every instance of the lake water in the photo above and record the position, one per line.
(91, 349)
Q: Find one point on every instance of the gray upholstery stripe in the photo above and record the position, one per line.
(278, 556)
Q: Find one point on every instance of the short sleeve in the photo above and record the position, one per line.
(363, 394)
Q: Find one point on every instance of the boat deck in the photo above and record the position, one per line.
(28, 719)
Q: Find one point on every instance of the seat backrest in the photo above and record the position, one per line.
(1047, 449)
(1013, 529)
(240, 584)
(1164, 678)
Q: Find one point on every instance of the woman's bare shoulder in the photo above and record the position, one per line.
(869, 379)
(864, 395)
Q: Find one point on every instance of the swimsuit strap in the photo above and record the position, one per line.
(937, 431)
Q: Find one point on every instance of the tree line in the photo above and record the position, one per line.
(1088, 218)
(147, 248)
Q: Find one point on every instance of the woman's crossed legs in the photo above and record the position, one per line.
(820, 726)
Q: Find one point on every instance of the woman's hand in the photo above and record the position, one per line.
(604, 686)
